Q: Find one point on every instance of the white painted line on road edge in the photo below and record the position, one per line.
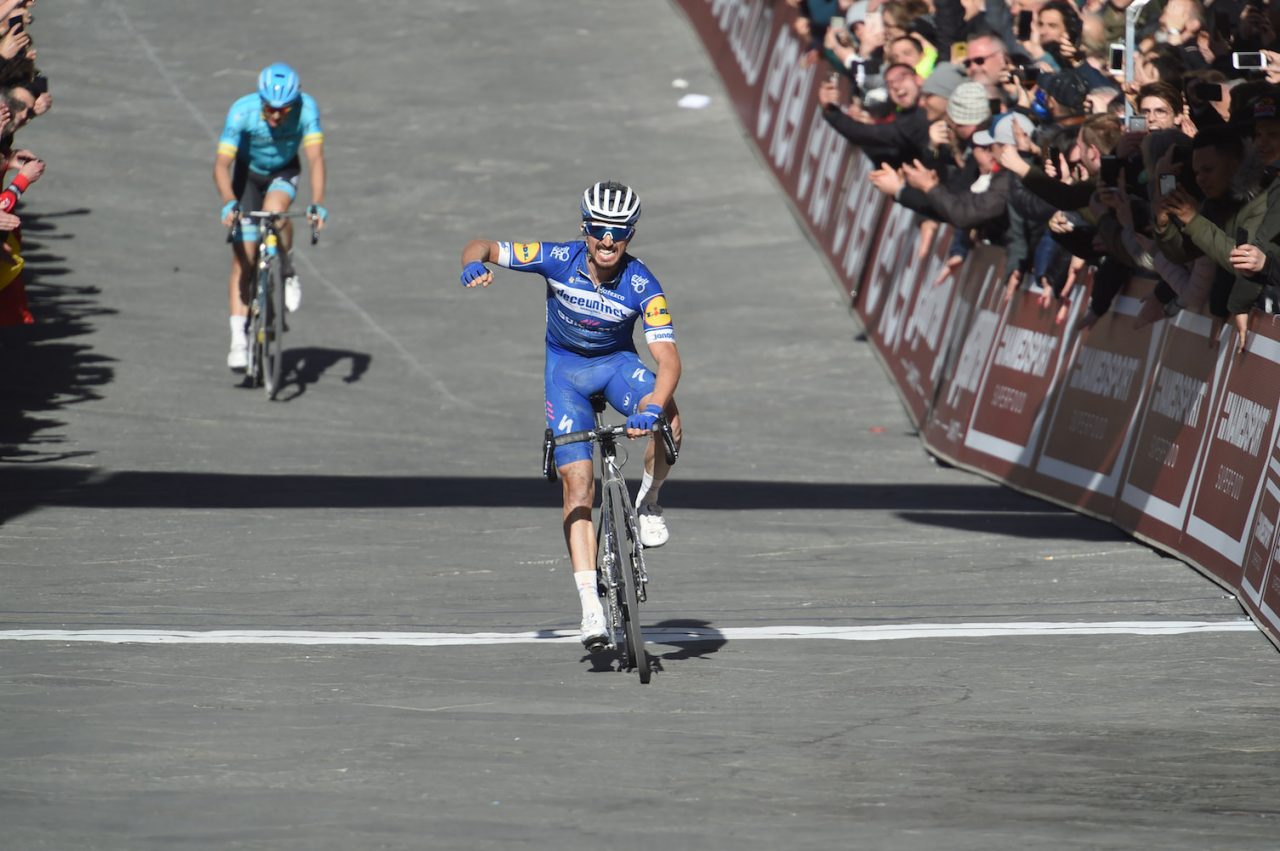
(655, 635)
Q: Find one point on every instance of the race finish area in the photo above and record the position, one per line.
(345, 619)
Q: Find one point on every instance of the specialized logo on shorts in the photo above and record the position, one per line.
(655, 313)
(638, 283)
(524, 253)
(560, 252)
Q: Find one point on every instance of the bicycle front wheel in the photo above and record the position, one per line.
(273, 341)
(257, 333)
(624, 530)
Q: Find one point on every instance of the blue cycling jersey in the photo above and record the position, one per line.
(581, 318)
(247, 134)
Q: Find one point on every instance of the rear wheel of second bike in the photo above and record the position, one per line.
(627, 545)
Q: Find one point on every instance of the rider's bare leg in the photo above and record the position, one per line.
(655, 463)
(579, 485)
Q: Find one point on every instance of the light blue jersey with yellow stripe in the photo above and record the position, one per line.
(247, 134)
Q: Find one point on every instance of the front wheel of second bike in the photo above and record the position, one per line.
(273, 339)
(624, 534)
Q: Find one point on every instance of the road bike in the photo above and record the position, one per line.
(623, 581)
(265, 324)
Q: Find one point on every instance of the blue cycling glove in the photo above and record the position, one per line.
(473, 270)
(319, 212)
(229, 208)
(645, 419)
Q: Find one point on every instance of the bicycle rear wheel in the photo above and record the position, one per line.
(273, 340)
(624, 530)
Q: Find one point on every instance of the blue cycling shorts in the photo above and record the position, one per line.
(571, 379)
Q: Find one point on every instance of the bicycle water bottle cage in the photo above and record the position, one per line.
(597, 402)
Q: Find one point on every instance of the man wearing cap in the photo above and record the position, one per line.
(966, 109)
(1066, 94)
(904, 138)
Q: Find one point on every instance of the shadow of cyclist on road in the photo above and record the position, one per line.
(305, 366)
(696, 639)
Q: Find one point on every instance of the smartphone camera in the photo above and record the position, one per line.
(1207, 92)
(1116, 62)
(1252, 60)
(1136, 124)
(1168, 183)
(1110, 173)
(1024, 25)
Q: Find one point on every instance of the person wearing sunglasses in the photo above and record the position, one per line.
(257, 168)
(596, 292)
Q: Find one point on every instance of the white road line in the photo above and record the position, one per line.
(655, 635)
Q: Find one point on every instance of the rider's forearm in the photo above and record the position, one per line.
(664, 386)
(222, 178)
(476, 251)
(315, 159)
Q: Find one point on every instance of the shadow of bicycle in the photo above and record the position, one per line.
(306, 366)
(695, 639)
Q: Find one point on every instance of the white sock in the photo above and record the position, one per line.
(586, 582)
(237, 328)
(649, 487)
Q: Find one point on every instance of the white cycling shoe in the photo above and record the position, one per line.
(238, 357)
(292, 294)
(595, 635)
(653, 528)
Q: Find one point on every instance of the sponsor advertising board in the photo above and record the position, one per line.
(1151, 428)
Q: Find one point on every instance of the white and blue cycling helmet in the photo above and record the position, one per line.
(611, 203)
(278, 85)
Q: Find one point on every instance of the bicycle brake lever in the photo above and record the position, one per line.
(669, 447)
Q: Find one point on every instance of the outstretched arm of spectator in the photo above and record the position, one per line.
(864, 135)
(971, 209)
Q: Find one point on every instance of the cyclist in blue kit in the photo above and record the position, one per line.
(595, 293)
(257, 168)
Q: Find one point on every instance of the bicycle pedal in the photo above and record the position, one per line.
(596, 644)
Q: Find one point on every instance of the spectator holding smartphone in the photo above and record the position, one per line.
(1229, 216)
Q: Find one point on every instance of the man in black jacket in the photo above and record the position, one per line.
(902, 139)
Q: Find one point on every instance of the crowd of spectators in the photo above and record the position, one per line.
(24, 94)
(1015, 121)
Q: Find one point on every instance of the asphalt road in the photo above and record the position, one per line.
(393, 492)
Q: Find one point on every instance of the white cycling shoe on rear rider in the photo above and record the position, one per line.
(238, 357)
(653, 528)
(292, 294)
(595, 635)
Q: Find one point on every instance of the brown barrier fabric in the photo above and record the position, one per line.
(1093, 411)
(1153, 429)
(971, 334)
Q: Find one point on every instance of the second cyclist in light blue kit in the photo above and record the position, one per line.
(595, 293)
(257, 168)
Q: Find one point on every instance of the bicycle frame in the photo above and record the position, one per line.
(265, 322)
(619, 553)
